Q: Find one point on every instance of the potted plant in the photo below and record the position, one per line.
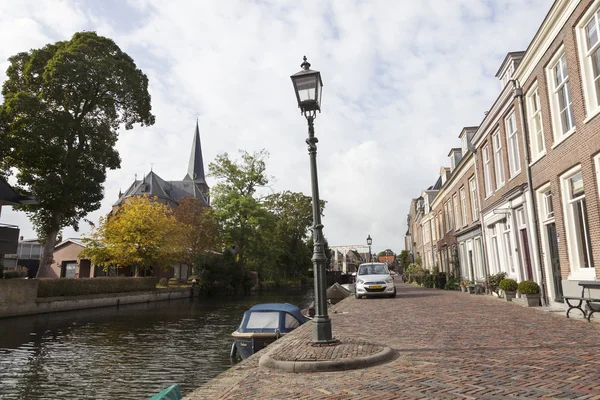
(531, 291)
(509, 287)
(463, 286)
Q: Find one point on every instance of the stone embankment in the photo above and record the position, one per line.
(19, 297)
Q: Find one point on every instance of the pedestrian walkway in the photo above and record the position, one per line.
(447, 345)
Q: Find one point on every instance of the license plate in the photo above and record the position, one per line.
(376, 287)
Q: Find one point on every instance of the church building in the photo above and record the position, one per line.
(172, 192)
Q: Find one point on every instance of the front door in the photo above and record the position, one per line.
(526, 256)
(555, 261)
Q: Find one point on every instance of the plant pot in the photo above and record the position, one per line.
(509, 295)
(463, 289)
(533, 300)
(471, 289)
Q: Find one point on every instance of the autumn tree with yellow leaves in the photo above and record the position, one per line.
(143, 234)
(199, 231)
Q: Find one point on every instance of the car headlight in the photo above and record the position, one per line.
(360, 281)
(389, 280)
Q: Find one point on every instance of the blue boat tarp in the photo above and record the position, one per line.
(271, 316)
(285, 307)
(170, 393)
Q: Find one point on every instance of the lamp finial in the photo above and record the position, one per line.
(305, 65)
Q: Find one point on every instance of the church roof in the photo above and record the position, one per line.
(195, 170)
(153, 185)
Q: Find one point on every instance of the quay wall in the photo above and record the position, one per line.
(19, 297)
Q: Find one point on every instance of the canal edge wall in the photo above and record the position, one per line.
(229, 379)
(18, 297)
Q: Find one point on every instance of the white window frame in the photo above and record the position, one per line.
(498, 160)
(427, 237)
(507, 246)
(448, 216)
(512, 138)
(535, 124)
(474, 205)
(463, 203)
(557, 131)
(597, 166)
(577, 271)
(591, 92)
(487, 171)
(456, 211)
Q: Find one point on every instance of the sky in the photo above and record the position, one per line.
(401, 79)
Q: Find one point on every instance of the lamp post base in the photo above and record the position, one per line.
(322, 331)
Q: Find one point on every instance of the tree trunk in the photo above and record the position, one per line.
(47, 252)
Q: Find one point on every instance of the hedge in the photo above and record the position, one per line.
(57, 287)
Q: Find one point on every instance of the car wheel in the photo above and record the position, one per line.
(357, 296)
(393, 294)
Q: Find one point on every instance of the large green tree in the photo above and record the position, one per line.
(235, 198)
(293, 216)
(63, 106)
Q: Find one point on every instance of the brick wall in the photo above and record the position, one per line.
(579, 148)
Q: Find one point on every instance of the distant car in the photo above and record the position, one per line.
(374, 279)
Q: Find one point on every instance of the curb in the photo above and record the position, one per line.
(343, 364)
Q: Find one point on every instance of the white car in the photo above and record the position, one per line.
(374, 279)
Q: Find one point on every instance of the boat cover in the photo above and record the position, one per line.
(285, 307)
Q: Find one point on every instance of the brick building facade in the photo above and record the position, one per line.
(536, 160)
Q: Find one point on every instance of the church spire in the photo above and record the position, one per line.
(195, 170)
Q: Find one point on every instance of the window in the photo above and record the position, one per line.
(487, 172)
(426, 232)
(498, 162)
(576, 221)
(448, 216)
(514, 159)
(548, 207)
(456, 211)
(538, 147)
(474, 207)
(463, 203)
(589, 55)
(508, 246)
(563, 122)
(495, 248)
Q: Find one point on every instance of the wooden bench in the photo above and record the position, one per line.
(592, 304)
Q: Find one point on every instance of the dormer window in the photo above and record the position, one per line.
(507, 75)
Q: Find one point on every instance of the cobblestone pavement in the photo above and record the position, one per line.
(450, 345)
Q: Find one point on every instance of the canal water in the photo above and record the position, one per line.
(129, 352)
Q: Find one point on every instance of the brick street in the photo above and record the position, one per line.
(449, 345)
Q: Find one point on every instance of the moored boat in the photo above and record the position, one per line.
(262, 324)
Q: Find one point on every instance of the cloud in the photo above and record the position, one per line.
(401, 80)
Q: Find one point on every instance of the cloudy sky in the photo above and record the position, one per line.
(401, 78)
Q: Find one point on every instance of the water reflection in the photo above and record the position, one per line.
(130, 352)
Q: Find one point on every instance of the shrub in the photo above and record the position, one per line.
(508, 285)
(428, 280)
(162, 282)
(19, 272)
(494, 281)
(56, 287)
(528, 287)
(452, 283)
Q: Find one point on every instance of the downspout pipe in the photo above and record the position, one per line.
(518, 94)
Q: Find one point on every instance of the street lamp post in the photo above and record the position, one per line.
(369, 243)
(308, 87)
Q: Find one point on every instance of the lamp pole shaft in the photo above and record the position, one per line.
(321, 322)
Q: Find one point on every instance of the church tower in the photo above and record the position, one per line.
(195, 172)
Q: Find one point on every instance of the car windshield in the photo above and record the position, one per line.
(375, 269)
